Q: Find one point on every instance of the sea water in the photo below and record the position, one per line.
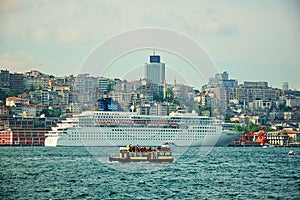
(76, 173)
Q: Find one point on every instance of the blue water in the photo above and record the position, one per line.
(224, 173)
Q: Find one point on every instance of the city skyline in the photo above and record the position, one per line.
(245, 39)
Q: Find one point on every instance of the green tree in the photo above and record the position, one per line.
(55, 112)
(239, 128)
(109, 87)
(4, 95)
(169, 95)
(158, 97)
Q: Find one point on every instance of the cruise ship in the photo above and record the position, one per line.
(99, 128)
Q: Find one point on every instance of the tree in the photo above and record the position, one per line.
(158, 97)
(4, 95)
(55, 112)
(169, 95)
(109, 87)
(238, 128)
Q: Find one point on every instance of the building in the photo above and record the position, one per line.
(221, 80)
(184, 93)
(4, 111)
(12, 101)
(293, 102)
(278, 138)
(285, 86)
(6, 137)
(45, 97)
(258, 84)
(63, 92)
(17, 82)
(103, 84)
(34, 73)
(294, 137)
(31, 83)
(4, 80)
(155, 70)
(85, 88)
(26, 131)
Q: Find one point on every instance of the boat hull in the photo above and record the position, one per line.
(222, 139)
(141, 159)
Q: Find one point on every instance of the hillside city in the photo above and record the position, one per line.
(33, 102)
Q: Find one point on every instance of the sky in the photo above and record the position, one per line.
(251, 40)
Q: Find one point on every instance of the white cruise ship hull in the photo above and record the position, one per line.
(119, 129)
(66, 140)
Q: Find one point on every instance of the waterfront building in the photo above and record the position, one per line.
(6, 137)
(26, 131)
(294, 137)
(278, 138)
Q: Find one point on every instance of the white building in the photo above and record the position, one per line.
(155, 70)
(12, 101)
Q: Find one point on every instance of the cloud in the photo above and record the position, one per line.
(68, 36)
(40, 35)
(58, 35)
(213, 25)
(16, 61)
(8, 5)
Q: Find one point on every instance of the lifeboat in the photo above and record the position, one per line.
(112, 123)
(164, 124)
(100, 123)
(152, 123)
(139, 123)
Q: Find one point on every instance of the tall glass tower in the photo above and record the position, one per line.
(155, 70)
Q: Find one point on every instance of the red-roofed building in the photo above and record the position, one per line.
(12, 101)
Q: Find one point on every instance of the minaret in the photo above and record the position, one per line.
(174, 89)
(165, 89)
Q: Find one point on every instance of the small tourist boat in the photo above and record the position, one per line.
(291, 152)
(162, 154)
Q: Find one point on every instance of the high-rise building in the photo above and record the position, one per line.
(4, 80)
(285, 86)
(155, 70)
(17, 82)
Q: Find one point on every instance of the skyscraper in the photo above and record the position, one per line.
(285, 86)
(155, 70)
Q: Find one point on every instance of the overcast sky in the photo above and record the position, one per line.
(251, 40)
